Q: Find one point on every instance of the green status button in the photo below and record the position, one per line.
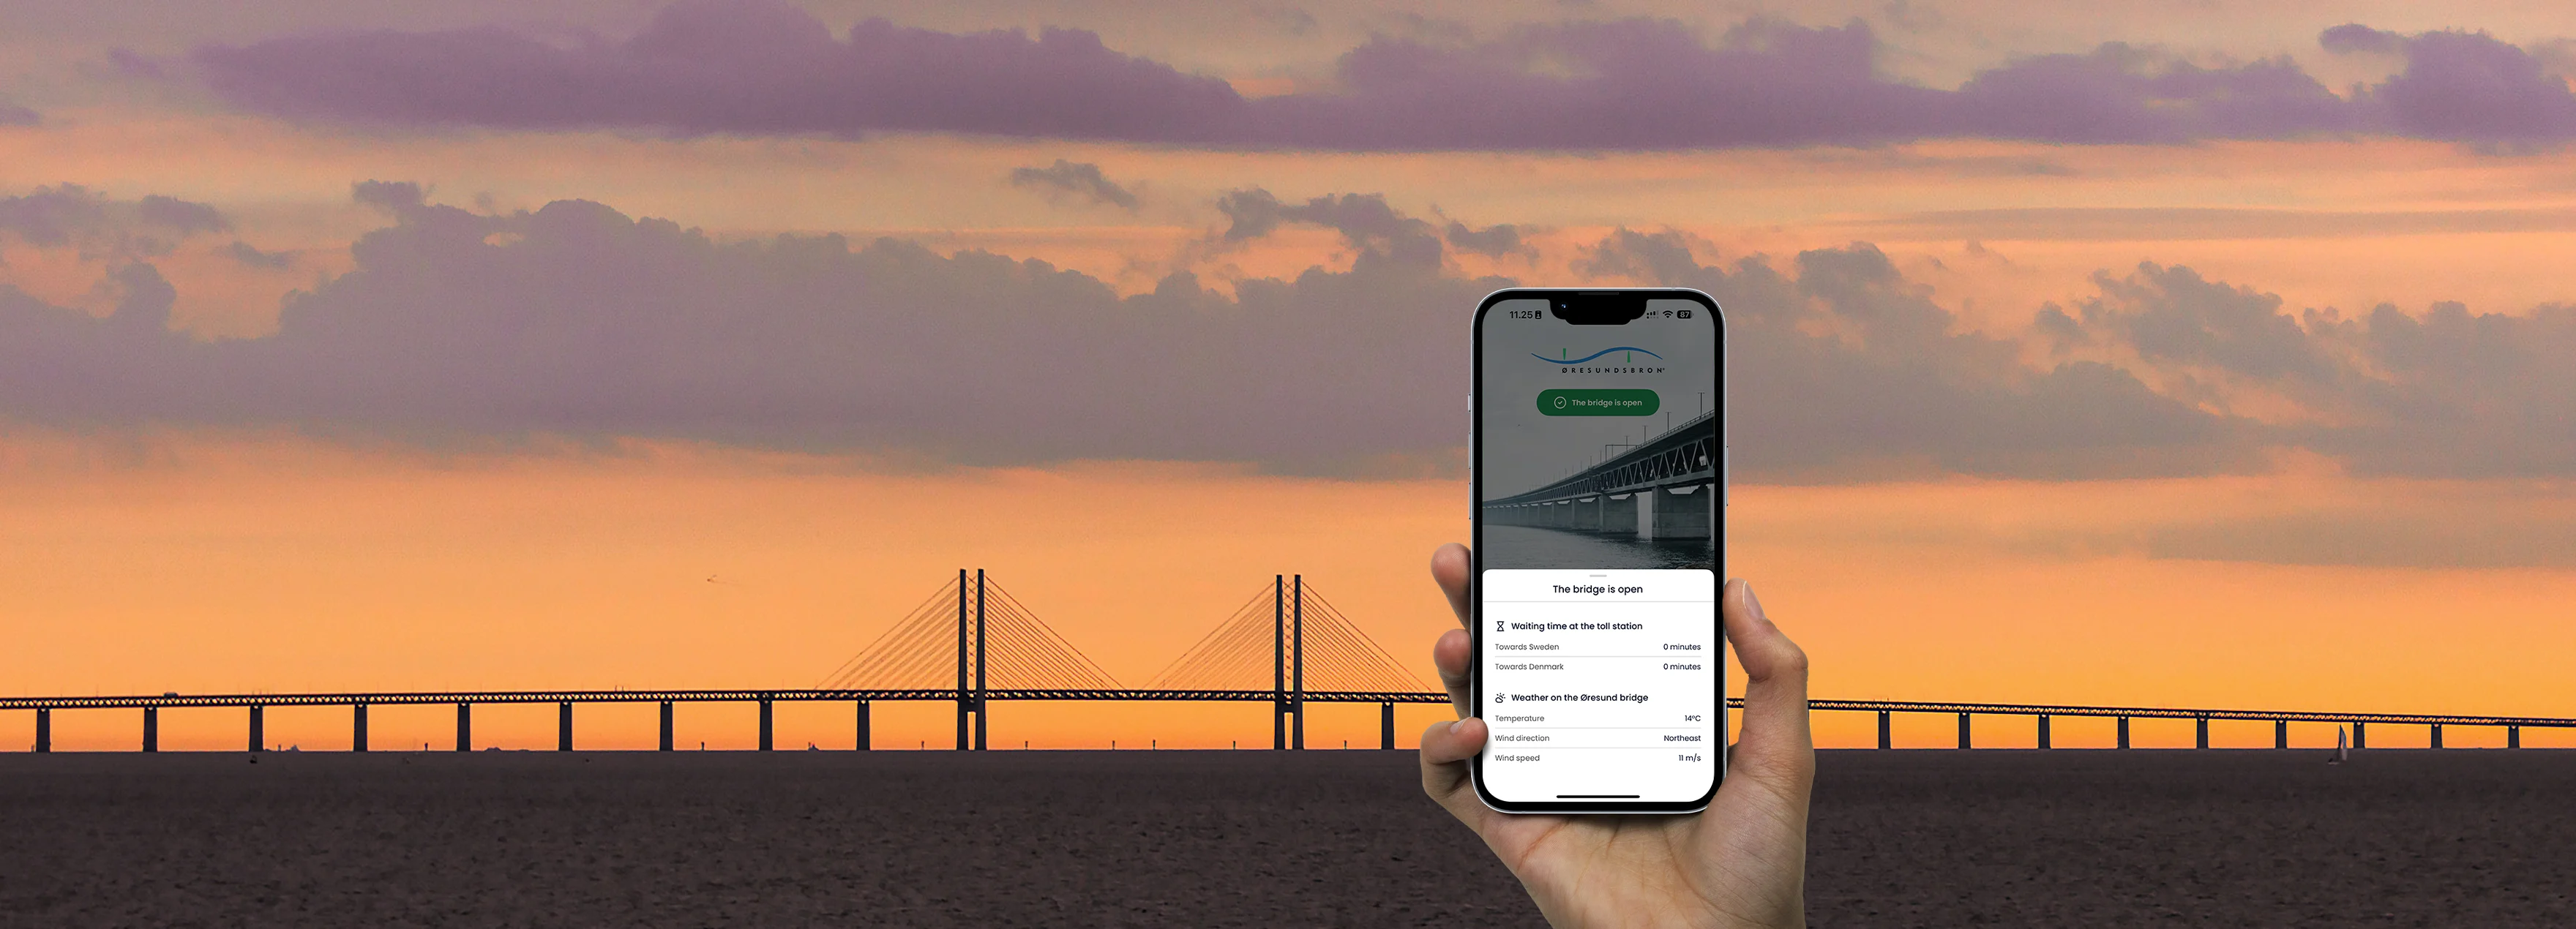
(1599, 401)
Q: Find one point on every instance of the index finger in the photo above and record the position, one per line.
(1449, 568)
(1450, 655)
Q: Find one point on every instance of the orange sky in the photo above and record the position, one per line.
(231, 561)
(205, 564)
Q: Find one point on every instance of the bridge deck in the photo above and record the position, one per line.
(1245, 696)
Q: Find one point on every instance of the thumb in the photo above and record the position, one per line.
(1776, 746)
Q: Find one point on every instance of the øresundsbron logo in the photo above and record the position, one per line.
(1625, 364)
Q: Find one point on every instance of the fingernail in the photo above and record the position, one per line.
(1753, 604)
(1453, 726)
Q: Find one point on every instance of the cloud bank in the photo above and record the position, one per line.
(754, 67)
(1080, 179)
(577, 321)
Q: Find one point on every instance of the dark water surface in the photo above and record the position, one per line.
(1525, 547)
(1909, 838)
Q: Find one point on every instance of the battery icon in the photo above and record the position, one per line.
(1681, 314)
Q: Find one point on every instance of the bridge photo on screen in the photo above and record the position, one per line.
(1601, 446)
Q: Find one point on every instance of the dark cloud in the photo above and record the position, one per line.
(254, 258)
(1841, 368)
(2446, 394)
(574, 320)
(2456, 394)
(180, 216)
(390, 196)
(757, 67)
(14, 115)
(1493, 241)
(135, 64)
(1080, 179)
(2118, 93)
(2352, 38)
(740, 67)
(2174, 317)
(1366, 222)
(2463, 86)
(577, 321)
(103, 228)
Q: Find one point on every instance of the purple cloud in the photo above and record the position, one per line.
(105, 228)
(748, 67)
(2462, 86)
(1081, 179)
(577, 321)
(757, 67)
(582, 322)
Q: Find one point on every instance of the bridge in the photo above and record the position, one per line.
(1285, 645)
(1666, 487)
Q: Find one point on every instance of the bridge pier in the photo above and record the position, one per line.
(1386, 726)
(1681, 518)
(1886, 736)
(863, 725)
(666, 726)
(764, 725)
(2437, 735)
(464, 727)
(44, 731)
(563, 726)
(2043, 730)
(2124, 731)
(2280, 733)
(358, 728)
(258, 729)
(2202, 739)
(151, 728)
(1963, 730)
(1619, 514)
(1649, 504)
(2359, 736)
(2513, 736)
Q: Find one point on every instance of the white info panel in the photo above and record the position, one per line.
(1601, 685)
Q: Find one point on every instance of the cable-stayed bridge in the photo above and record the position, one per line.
(970, 643)
(1666, 487)
(973, 644)
(1286, 645)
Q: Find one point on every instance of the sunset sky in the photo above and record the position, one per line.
(2201, 353)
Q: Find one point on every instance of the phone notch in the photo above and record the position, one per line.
(1598, 309)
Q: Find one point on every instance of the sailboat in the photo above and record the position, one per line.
(2342, 751)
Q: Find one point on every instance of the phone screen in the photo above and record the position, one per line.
(1599, 484)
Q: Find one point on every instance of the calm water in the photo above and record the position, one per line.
(1527, 547)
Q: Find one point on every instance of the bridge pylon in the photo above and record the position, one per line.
(991, 640)
(1301, 624)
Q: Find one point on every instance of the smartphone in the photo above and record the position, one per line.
(1598, 465)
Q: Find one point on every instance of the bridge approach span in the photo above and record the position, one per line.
(1667, 487)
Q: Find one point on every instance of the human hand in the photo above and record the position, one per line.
(1741, 862)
